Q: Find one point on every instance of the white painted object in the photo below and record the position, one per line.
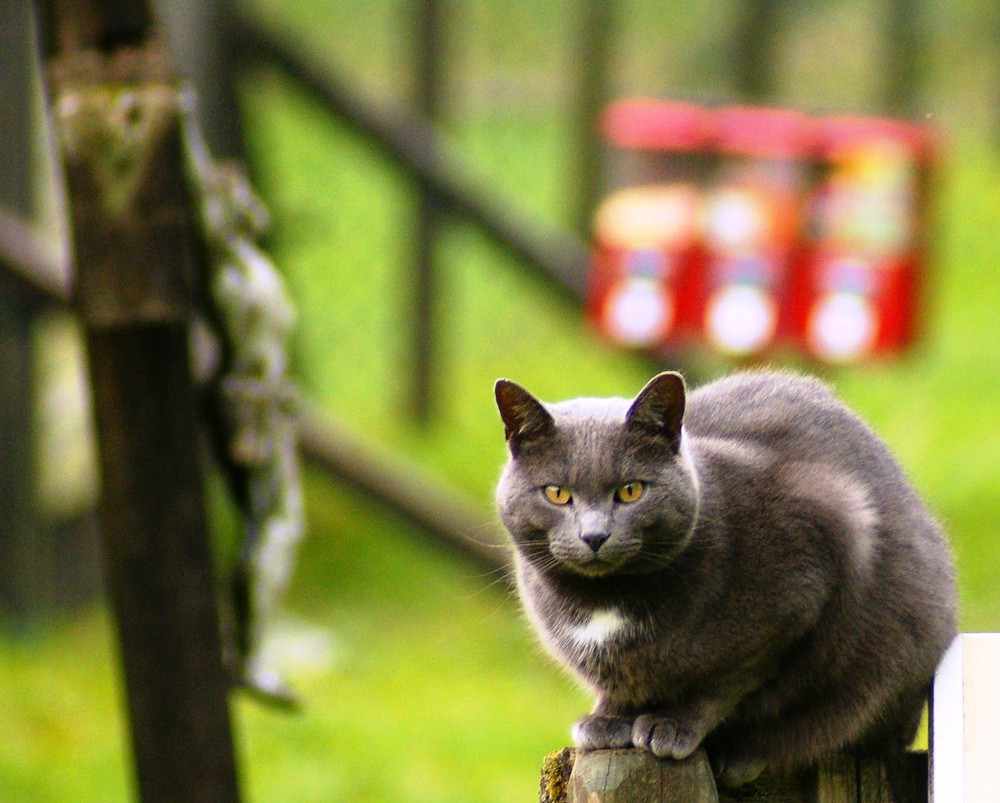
(965, 716)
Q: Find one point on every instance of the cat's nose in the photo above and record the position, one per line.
(595, 540)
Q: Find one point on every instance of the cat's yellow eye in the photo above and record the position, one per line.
(630, 491)
(558, 495)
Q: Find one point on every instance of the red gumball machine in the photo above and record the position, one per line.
(647, 255)
(751, 224)
(859, 291)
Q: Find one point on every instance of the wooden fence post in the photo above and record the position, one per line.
(627, 776)
(428, 40)
(636, 776)
(25, 576)
(118, 119)
(25, 587)
(598, 24)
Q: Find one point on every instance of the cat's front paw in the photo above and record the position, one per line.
(665, 737)
(600, 732)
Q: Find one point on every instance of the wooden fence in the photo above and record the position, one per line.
(136, 282)
(135, 265)
(962, 764)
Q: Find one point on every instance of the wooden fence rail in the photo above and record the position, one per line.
(409, 141)
(332, 448)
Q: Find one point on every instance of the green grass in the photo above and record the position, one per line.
(421, 701)
(59, 715)
(428, 686)
(431, 687)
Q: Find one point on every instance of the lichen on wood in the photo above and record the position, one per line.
(556, 769)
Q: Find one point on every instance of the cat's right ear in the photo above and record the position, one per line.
(524, 417)
(659, 407)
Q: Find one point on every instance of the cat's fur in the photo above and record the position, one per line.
(778, 592)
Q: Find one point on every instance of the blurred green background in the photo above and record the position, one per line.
(420, 679)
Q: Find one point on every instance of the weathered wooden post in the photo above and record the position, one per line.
(631, 776)
(626, 776)
(636, 776)
(598, 23)
(753, 45)
(25, 590)
(428, 29)
(118, 120)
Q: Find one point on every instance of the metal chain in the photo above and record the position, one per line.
(252, 317)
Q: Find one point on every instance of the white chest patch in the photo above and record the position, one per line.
(599, 629)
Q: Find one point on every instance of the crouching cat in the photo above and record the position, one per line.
(745, 568)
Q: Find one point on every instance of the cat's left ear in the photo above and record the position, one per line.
(659, 407)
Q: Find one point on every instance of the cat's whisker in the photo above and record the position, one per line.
(504, 581)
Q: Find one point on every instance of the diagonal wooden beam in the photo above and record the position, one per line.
(415, 146)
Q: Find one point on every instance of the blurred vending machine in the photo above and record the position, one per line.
(859, 291)
(752, 221)
(760, 231)
(647, 251)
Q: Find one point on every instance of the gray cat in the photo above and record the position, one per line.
(745, 568)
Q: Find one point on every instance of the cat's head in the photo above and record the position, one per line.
(598, 487)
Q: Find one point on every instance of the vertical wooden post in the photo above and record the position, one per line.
(598, 20)
(626, 776)
(622, 776)
(428, 30)
(201, 43)
(24, 572)
(753, 47)
(901, 33)
(118, 121)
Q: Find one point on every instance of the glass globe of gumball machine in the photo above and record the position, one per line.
(751, 223)
(647, 257)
